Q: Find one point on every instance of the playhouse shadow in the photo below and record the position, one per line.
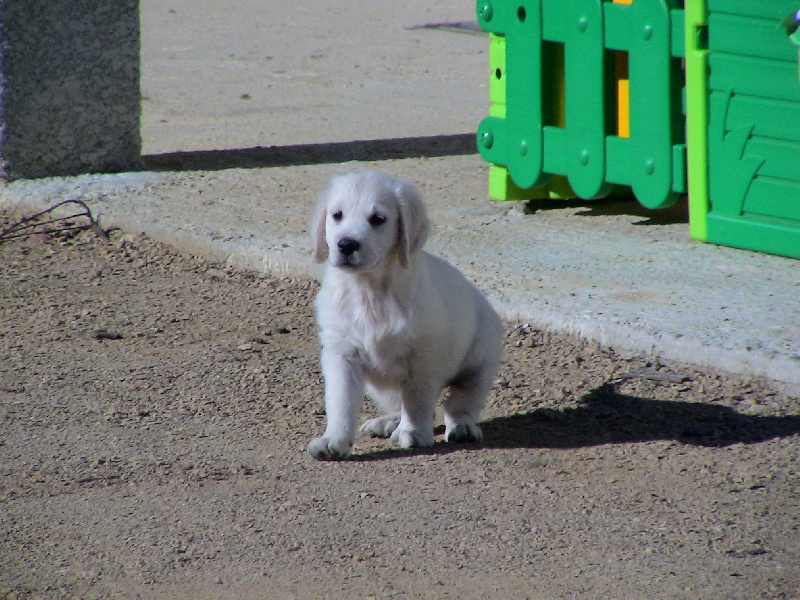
(616, 206)
(606, 416)
(678, 213)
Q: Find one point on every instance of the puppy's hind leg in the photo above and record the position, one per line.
(464, 404)
(389, 401)
(381, 427)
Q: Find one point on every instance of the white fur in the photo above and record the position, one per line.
(396, 322)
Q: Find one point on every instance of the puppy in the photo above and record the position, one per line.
(395, 322)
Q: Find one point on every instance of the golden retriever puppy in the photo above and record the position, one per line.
(396, 323)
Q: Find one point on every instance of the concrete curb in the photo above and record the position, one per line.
(640, 290)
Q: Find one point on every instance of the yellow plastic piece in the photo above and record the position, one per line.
(623, 89)
(559, 88)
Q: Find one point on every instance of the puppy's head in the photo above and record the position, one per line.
(363, 220)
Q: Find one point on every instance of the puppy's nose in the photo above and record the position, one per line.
(348, 245)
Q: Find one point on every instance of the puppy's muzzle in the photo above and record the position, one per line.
(348, 246)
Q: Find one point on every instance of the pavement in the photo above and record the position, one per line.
(247, 110)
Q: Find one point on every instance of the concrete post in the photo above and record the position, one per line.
(69, 87)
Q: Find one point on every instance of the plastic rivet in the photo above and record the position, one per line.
(584, 158)
(649, 167)
(583, 23)
(487, 11)
(523, 148)
(647, 32)
(487, 139)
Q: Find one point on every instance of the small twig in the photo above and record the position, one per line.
(32, 225)
(471, 27)
(103, 334)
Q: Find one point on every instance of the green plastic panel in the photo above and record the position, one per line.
(733, 34)
(501, 187)
(516, 141)
(780, 157)
(585, 120)
(656, 88)
(753, 234)
(766, 9)
(775, 199)
(497, 74)
(731, 169)
(774, 119)
(754, 76)
(697, 117)
(560, 99)
(753, 136)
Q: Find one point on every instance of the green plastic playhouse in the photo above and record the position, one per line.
(656, 97)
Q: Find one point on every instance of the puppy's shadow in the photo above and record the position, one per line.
(606, 416)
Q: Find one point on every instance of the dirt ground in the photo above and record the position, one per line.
(154, 414)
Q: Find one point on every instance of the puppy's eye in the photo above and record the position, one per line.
(376, 220)
(337, 216)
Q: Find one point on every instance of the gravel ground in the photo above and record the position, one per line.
(154, 413)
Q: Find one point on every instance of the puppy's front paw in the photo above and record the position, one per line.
(381, 427)
(323, 448)
(463, 433)
(412, 438)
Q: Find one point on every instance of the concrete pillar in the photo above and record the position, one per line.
(69, 87)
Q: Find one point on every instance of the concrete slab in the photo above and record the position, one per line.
(326, 75)
(247, 73)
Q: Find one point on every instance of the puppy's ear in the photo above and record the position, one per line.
(317, 227)
(414, 225)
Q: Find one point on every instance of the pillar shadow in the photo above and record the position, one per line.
(313, 154)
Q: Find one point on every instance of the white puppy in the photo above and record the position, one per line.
(396, 322)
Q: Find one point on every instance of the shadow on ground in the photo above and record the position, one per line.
(606, 416)
(614, 206)
(313, 154)
(677, 214)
